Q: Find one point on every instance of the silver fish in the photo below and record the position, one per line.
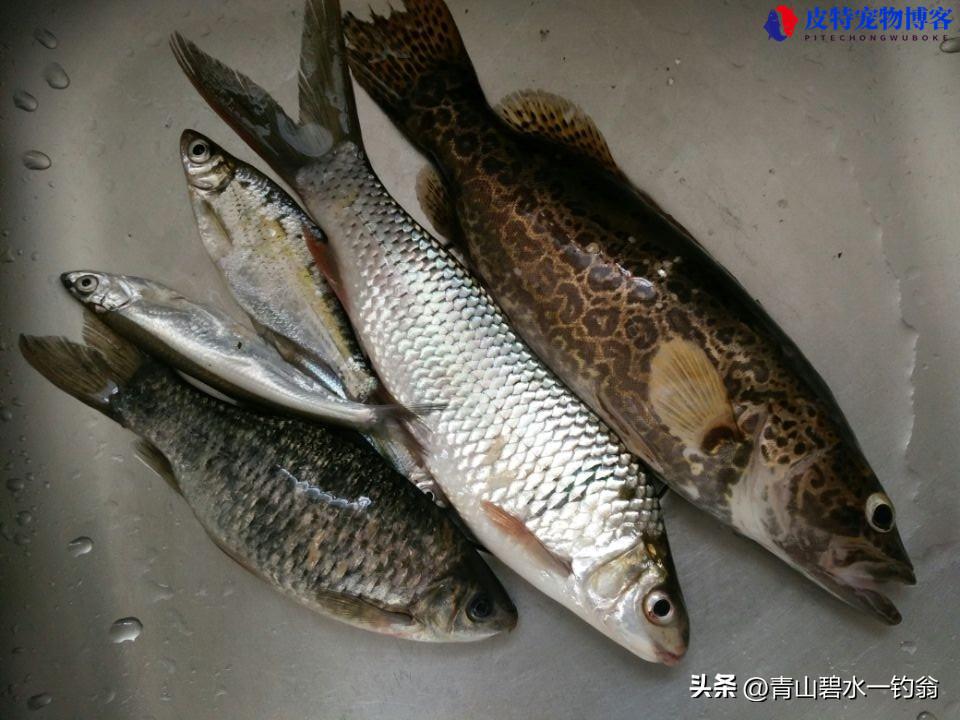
(210, 346)
(538, 478)
(313, 510)
(255, 233)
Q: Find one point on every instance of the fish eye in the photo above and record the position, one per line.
(87, 283)
(480, 607)
(879, 512)
(199, 151)
(658, 608)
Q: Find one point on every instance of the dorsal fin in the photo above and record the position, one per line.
(688, 395)
(435, 201)
(557, 120)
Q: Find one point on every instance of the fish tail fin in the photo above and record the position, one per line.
(251, 111)
(93, 372)
(389, 55)
(325, 89)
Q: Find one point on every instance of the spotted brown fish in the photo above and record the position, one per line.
(633, 314)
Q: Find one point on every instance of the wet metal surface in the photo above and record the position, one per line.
(822, 174)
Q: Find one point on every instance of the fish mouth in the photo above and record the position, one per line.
(70, 280)
(861, 583)
(670, 659)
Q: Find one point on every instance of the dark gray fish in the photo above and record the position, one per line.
(313, 510)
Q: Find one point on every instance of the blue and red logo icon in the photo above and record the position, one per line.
(781, 23)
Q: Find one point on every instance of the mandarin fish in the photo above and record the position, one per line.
(624, 305)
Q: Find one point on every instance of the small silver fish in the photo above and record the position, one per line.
(256, 234)
(208, 345)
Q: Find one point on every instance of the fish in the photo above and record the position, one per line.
(211, 347)
(311, 509)
(255, 234)
(632, 313)
(541, 482)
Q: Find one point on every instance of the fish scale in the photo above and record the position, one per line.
(444, 341)
(310, 508)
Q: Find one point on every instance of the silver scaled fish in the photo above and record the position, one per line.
(209, 346)
(256, 235)
(537, 477)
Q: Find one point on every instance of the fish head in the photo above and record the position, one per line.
(103, 292)
(825, 511)
(468, 603)
(636, 599)
(106, 293)
(208, 168)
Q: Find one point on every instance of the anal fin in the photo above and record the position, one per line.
(435, 200)
(517, 529)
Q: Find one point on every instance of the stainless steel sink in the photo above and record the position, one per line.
(823, 174)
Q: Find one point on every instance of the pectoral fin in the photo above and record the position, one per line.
(688, 396)
(150, 455)
(517, 529)
(557, 120)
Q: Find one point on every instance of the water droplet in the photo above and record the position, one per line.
(36, 702)
(56, 76)
(782, 203)
(676, 61)
(669, 81)
(908, 646)
(45, 38)
(36, 160)
(160, 591)
(15, 485)
(35, 256)
(951, 45)
(7, 256)
(125, 629)
(80, 546)
(24, 518)
(6, 414)
(25, 101)
(926, 715)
